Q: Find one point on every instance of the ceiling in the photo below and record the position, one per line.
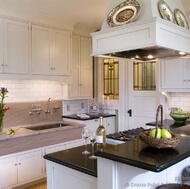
(88, 12)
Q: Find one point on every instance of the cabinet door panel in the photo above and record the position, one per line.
(86, 51)
(86, 82)
(61, 52)
(41, 50)
(76, 51)
(74, 88)
(8, 172)
(16, 47)
(30, 166)
(110, 125)
(173, 74)
(1, 45)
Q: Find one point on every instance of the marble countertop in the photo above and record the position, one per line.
(26, 139)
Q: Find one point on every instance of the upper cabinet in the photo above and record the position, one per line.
(175, 75)
(82, 83)
(51, 51)
(14, 47)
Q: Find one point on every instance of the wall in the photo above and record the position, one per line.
(32, 90)
(24, 93)
(180, 100)
(177, 100)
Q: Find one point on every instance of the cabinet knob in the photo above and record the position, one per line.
(19, 163)
(2, 65)
(15, 164)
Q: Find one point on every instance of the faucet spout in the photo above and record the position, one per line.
(48, 106)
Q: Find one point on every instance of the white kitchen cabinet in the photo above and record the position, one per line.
(1, 45)
(14, 47)
(109, 123)
(175, 75)
(82, 84)
(60, 147)
(8, 171)
(51, 51)
(30, 163)
(20, 168)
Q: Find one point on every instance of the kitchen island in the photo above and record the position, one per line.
(129, 165)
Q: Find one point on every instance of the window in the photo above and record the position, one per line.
(111, 78)
(144, 75)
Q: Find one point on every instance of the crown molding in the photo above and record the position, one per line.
(13, 12)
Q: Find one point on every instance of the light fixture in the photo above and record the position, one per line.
(182, 53)
(150, 56)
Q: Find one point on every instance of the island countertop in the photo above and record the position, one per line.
(73, 158)
(138, 154)
(134, 153)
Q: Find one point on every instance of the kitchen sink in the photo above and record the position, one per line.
(47, 126)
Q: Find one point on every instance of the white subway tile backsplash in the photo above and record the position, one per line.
(32, 90)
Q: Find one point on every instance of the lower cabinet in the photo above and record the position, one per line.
(62, 146)
(24, 167)
(109, 123)
(62, 177)
(20, 168)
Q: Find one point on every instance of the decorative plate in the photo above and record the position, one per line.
(165, 11)
(181, 19)
(124, 13)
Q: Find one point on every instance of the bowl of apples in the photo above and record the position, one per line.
(180, 116)
(159, 137)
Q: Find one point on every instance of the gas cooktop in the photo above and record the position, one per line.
(127, 135)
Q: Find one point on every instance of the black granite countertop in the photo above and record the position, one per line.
(138, 154)
(181, 129)
(134, 153)
(167, 123)
(74, 159)
(91, 116)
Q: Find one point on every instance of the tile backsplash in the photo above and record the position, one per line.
(32, 90)
(180, 100)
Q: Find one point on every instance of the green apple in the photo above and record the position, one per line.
(166, 134)
(153, 133)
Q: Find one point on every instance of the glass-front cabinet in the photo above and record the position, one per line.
(111, 78)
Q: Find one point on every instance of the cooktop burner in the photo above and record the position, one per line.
(127, 135)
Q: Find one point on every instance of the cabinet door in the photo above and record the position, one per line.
(86, 68)
(86, 51)
(61, 52)
(30, 166)
(74, 88)
(86, 85)
(16, 47)
(41, 50)
(8, 172)
(1, 45)
(110, 125)
(173, 74)
(92, 124)
(74, 143)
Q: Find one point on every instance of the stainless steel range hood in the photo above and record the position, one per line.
(148, 37)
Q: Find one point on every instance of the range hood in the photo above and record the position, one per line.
(149, 37)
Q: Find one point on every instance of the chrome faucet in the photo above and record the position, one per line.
(48, 106)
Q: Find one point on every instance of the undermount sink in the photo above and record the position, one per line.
(47, 126)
